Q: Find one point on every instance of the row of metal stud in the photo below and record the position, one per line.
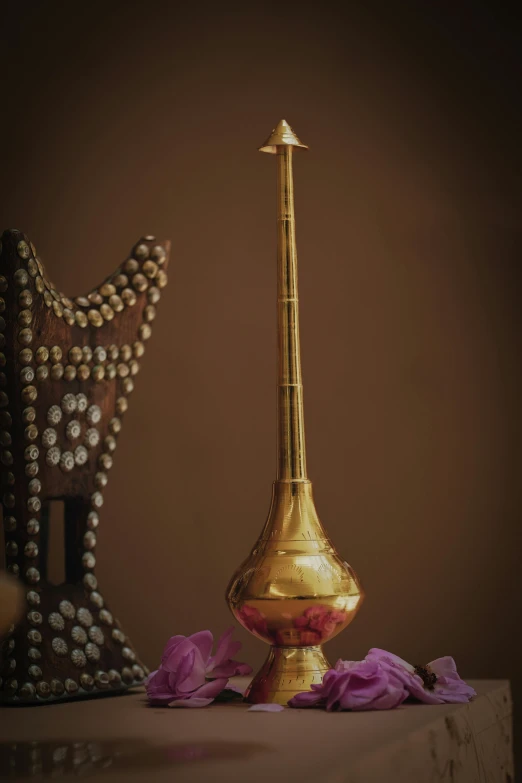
(139, 273)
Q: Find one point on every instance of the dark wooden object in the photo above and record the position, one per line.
(67, 368)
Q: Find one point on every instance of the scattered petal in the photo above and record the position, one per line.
(266, 708)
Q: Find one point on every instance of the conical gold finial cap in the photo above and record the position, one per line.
(282, 135)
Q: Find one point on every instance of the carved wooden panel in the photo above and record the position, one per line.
(68, 368)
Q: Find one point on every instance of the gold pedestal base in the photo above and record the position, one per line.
(287, 671)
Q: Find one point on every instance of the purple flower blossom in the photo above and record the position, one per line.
(436, 683)
(383, 681)
(354, 685)
(189, 676)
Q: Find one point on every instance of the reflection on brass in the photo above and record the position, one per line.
(85, 758)
(293, 591)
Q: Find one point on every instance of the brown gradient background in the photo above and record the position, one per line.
(126, 120)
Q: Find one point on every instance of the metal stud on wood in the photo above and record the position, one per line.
(65, 379)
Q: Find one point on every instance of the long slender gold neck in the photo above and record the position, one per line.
(291, 452)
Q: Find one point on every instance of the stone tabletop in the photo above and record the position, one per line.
(122, 739)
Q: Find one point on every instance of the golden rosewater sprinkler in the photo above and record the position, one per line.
(293, 590)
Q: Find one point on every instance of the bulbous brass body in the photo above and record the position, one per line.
(293, 591)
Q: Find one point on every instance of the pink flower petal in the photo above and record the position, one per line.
(444, 667)
(306, 699)
(202, 696)
(392, 698)
(231, 669)
(335, 694)
(223, 651)
(176, 652)
(344, 666)
(379, 655)
(188, 672)
(266, 708)
(233, 648)
(222, 665)
(171, 645)
(365, 684)
(203, 640)
(401, 670)
(151, 677)
(158, 688)
(191, 672)
(210, 689)
(226, 648)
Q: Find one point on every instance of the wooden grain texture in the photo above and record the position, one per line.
(68, 370)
